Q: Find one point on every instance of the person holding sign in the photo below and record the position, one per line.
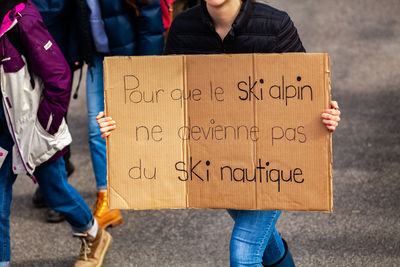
(119, 28)
(35, 93)
(235, 26)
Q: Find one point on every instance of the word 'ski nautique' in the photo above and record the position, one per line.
(199, 170)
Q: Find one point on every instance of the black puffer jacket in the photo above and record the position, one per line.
(258, 28)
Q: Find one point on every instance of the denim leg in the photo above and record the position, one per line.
(95, 104)
(62, 197)
(251, 235)
(233, 213)
(7, 179)
(274, 250)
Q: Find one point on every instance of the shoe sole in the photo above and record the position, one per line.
(56, 220)
(107, 246)
(113, 223)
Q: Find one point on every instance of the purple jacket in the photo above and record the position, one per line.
(35, 116)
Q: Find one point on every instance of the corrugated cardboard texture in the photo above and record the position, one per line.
(219, 131)
(138, 155)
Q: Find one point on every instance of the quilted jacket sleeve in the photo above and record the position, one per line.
(150, 29)
(288, 38)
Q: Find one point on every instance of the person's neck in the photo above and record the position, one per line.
(224, 15)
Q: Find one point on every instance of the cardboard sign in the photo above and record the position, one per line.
(237, 131)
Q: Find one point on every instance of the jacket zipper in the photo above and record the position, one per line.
(13, 135)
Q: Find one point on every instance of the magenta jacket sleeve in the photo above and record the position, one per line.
(46, 61)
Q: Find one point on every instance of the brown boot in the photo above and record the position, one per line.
(93, 249)
(104, 216)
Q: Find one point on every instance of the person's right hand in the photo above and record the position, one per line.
(106, 124)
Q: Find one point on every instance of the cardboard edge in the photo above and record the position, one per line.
(121, 199)
(185, 143)
(330, 158)
(105, 64)
(255, 122)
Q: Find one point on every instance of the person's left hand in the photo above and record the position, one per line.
(331, 117)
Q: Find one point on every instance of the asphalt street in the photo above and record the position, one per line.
(363, 39)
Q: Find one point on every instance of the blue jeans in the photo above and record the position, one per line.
(53, 181)
(254, 239)
(95, 104)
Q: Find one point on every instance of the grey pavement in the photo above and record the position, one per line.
(363, 39)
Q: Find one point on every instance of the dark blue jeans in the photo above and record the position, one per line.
(254, 238)
(53, 182)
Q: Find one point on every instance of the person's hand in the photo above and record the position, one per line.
(331, 117)
(106, 124)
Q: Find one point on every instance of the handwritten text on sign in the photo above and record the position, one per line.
(219, 128)
(136, 95)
